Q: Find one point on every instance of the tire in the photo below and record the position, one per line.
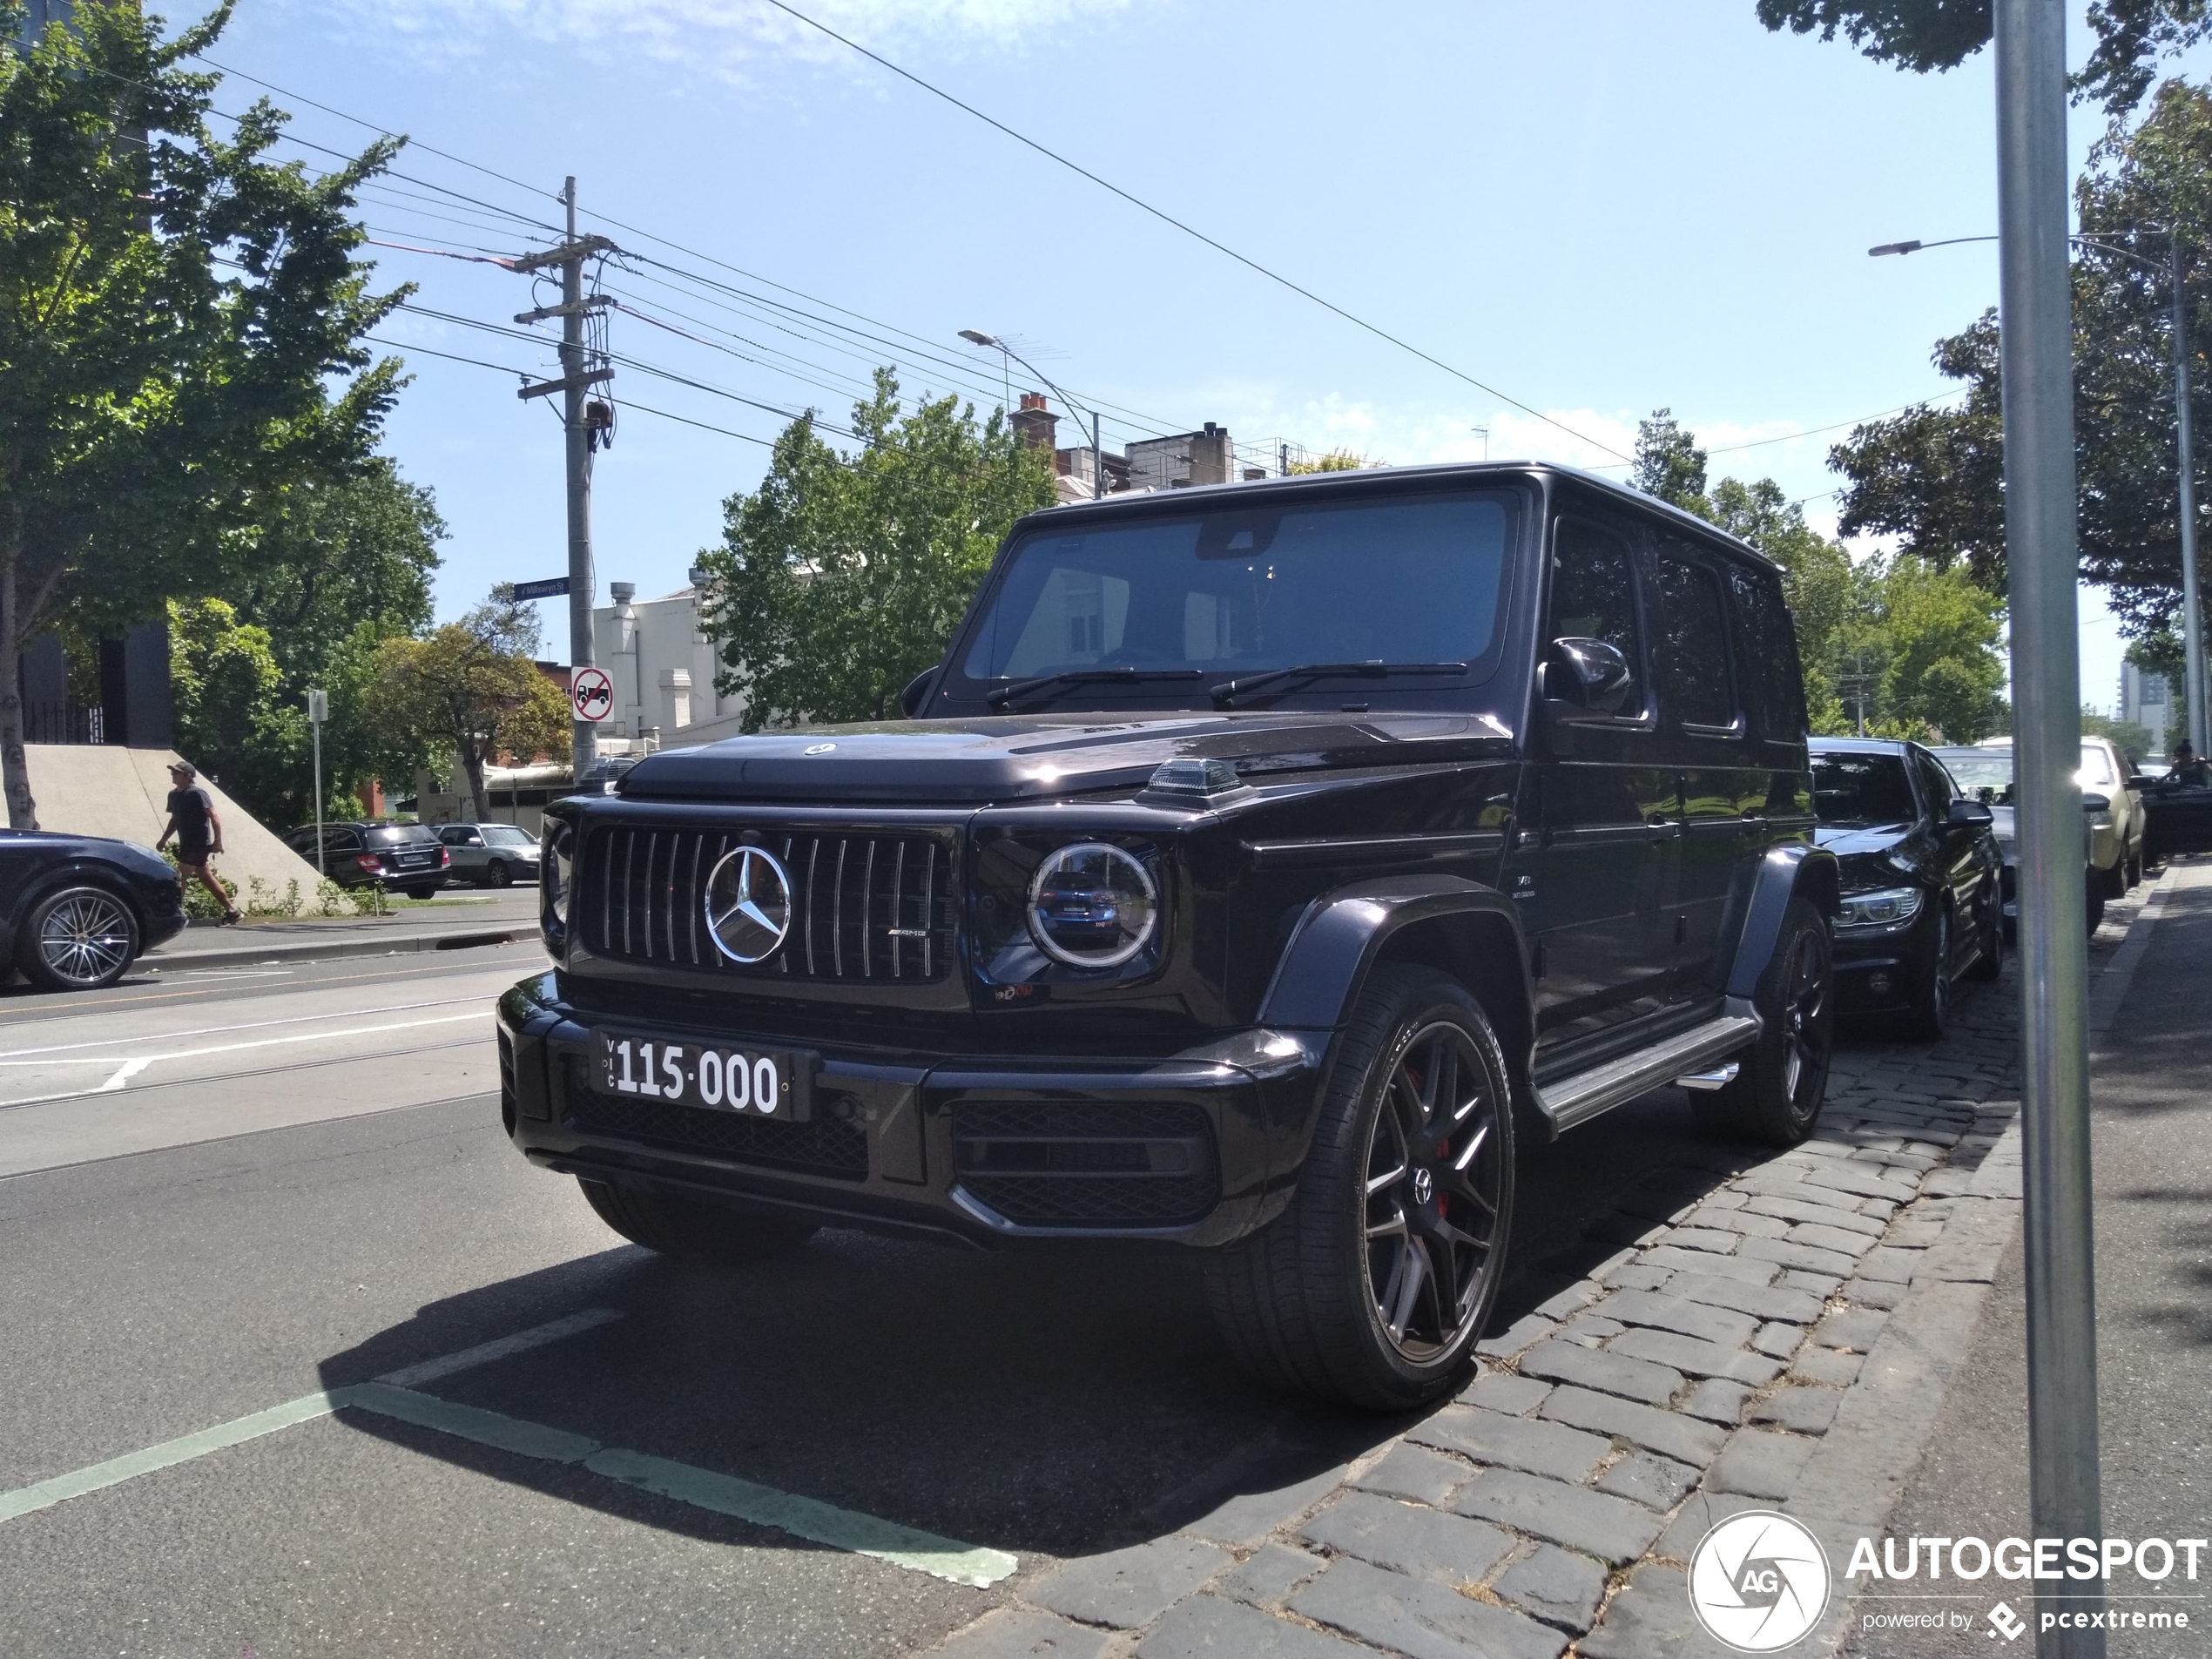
(1991, 963)
(1340, 1296)
(2135, 870)
(1931, 1012)
(671, 1224)
(2116, 880)
(1776, 1097)
(2096, 902)
(420, 892)
(498, 875)
(79, 938)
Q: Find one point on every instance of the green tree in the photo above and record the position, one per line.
(1923, 35)
(1334, 461)
(1669, 463)
(471, 689)
(1937, 631)
(225, 683)
(842, 576)
(2132, 739)
(175, 308)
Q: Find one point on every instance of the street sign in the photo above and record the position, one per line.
(553, 586)
(591, 694)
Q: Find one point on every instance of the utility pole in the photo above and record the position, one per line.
(577, 376)
(2036, 347)
(2192, 605)
(318, 712)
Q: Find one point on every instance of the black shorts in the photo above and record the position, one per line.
(193, 852)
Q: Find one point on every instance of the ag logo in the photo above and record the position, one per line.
(1758, 1581)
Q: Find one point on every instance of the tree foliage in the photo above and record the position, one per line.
(1923, 35)
(1901, 643)
(1933, 477)
(841, 577)
(175, 310)
(470, 689)
(1333, 461)
(225, 683)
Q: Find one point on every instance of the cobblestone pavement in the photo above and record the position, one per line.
(1774, 1331)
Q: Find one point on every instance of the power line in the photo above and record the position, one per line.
(1189, 230)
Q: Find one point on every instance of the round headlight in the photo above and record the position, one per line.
(1093, 906)
(555, 869)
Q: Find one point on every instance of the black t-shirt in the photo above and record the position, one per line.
(191, 808)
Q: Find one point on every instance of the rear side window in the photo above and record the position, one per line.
(1774, 683)
(1593, 590)
(1936, 782)
(1693, 644)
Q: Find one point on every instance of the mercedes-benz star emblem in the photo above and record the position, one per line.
(748, 904)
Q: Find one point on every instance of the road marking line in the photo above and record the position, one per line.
(249, 1025)
(25, 1499)
(723, 1494)
(484, 1352)
(124, 1073)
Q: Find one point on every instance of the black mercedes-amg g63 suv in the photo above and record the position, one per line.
(1262, 864)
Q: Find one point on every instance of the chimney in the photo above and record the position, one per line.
(1036, 424)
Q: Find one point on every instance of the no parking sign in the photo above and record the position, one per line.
(591, 694)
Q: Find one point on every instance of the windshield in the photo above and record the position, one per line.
(507, 835)
(1985, 774)
(1860, 789)
(1218, 596)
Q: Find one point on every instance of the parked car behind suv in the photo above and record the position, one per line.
(1923, 902)
(491, 855)
(1984, 772)
(76, 911)
(402, 858)
(1267, 862)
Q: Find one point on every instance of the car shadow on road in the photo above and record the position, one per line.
(1063, 1403)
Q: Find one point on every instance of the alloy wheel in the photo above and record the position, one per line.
(1434, 1186)
(86, 938)
(1807, 1021)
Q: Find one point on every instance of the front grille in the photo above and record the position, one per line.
(1087, 1163)
(832, 1143)
(863, 907)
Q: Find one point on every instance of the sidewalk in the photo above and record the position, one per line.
(454, 924)
(1778, 1332)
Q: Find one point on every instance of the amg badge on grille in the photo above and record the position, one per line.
(748, 904)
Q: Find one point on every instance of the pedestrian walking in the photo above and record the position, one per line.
(199, 832)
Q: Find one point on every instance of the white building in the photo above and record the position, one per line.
(663, 667)
(2147, 700)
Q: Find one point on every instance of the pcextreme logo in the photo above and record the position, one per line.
(1758, 1581)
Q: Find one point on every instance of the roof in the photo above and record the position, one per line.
(1363, 478)
(1864, 745)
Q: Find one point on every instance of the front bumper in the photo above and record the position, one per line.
(1880, 973)
(1198, 1147)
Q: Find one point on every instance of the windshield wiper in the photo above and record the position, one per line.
(1226, 694)
(998, 696)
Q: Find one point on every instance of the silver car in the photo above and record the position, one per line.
(491, 855)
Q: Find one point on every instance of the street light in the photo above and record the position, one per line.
(1098, 453)
(2192, 614)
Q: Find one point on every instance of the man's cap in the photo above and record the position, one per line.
(185, 767)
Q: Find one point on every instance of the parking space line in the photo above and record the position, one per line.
(808, 1518)
(484, 1352)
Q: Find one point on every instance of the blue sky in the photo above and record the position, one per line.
(1594, 207)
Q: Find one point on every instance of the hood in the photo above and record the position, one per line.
(1859, 840)
(64, 844)
(1008, 758)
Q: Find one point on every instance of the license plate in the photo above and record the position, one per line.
(753, 1083)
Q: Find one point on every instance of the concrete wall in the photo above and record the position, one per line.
(100, 789)
(662, 666)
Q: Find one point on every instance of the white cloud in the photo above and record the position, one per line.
(729, 40)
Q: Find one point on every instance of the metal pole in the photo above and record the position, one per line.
(2037, 346)
(2192, 606)
(583, 736)
(316, 706)
(1097, 460)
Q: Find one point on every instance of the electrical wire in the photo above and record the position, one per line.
(1191, 230)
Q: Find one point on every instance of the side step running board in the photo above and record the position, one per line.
(1576, 1100)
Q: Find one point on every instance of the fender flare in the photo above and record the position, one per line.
(1342, 933)
(1784, 873)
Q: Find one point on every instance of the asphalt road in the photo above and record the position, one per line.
(223, 1192)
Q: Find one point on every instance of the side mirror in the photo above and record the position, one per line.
(1969, 812)
(1589, 674)
(2138, 783)
(2095, 804)
(917, 692)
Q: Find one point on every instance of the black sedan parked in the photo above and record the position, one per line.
(76, 911)
(408, 857)
(1922, 903)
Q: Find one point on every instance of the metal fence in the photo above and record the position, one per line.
(65, 723)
